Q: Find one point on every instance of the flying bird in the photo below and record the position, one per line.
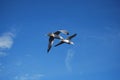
(67, 40)
(55, 35)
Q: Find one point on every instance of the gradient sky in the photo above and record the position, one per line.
(24, 25)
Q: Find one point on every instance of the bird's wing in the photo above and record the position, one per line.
(70, 37)
(51, 39)
(59, 43)
(62, 31)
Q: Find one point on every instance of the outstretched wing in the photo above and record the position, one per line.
(70, 37)
(59, 43)
(51, 39)
(62, 31)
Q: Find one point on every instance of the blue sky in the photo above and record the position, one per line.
(24, 25)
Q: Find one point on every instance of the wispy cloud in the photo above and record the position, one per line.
(6, 42)
(29, 77)
(69, 57)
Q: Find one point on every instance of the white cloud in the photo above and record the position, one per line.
(6, 42)
(68, 59)
(29, 77)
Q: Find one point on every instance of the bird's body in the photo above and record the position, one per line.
(67, 41)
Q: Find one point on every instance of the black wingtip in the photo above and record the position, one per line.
(75, 34)
(48, 51)
(55, 46)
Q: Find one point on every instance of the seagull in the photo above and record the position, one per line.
(67, 40)
(55, 35)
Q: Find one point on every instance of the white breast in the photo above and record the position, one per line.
(66, 41)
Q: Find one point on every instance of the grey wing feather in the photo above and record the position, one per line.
(57, 32)
(70, 37)
(62, 31)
